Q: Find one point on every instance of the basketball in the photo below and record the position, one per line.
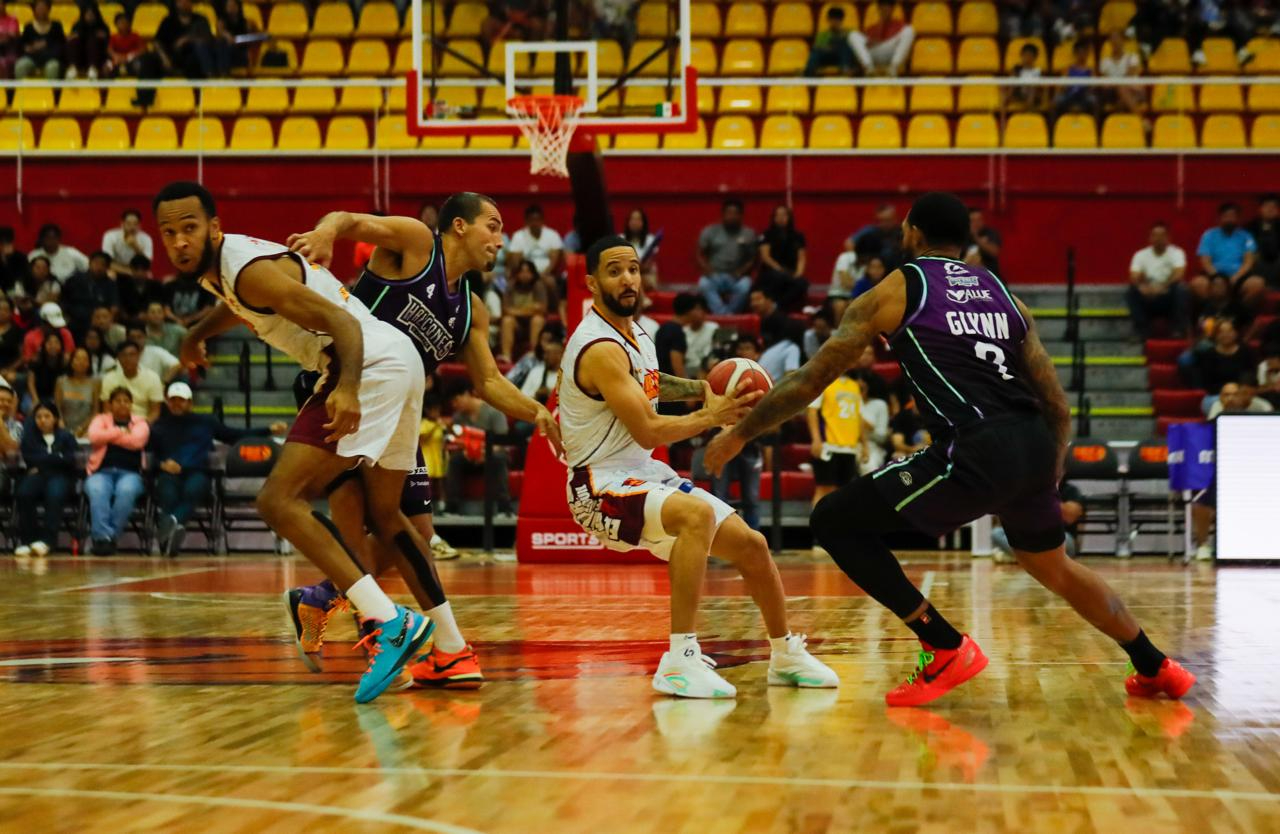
(726, 375)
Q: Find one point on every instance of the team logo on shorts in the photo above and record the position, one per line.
(906, 478)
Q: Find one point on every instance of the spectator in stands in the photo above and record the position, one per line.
(44, 45)
(783, 258)
(820, 326)
(552, 332)
(76, 393)
(1227, 256)
(126, 242)
(613, 20)
(984, 248)
(146, 391)
(1072, 501)
(1265, 230)
(232, 24)
(10, 438)
(84, 292)
(1269, 375)
(116, 440)
(1228, 359)
(524, 309)
(1118, 61)
(13, 264)
(1235, 398)
(1021, 18)
(647, 322)
(139, 289)
(64, 261)
(44, 369)
(50, 455)
(747, 467)
(1156, 286)
(670, 342)
(112, 332)
(186, 302)
(185, 42)
(1156, 20)
(467, 451)
(87, 48)
(883, 49)
(908, 434)
(1217, 19)
(541, 379)
(875, 413)
(781, 352)
(161, 332)
(154, 358)
(40, 287)
(844, 274)
(883, 237)
(541, 244)
(727, 256)
(646, 245)
(831, 46)
(10, 342)
(1026, 97)
(874, 273)
(699, 332)
(837, 444)
(51, 322)
(101, 357)
(515, 20)
(1078, 98)
(10, 41)
(130, 56)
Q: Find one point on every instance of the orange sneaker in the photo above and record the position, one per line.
(937, 673)
(443, 670)
(1171, 680)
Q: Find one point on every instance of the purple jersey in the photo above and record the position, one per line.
(960, 345)
(421, 307)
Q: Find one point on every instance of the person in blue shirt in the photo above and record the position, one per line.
(50, 455)
(1228, 255)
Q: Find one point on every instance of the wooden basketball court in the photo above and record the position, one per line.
(145, 696)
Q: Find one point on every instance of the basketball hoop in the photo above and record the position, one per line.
(547, 122)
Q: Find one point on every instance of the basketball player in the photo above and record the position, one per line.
(415, 280)
(1000, 426)
(366, 408)
(608, 392)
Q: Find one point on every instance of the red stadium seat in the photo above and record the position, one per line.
(1180, 403)
(794, 454)
(1166, 350)
(1163, 376)
(888, 371)
(661, 302)
(796, 486)
(747, 323)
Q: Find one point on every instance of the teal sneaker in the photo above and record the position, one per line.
(390, 646)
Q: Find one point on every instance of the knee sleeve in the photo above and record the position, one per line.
(421, 568)
(855, 508)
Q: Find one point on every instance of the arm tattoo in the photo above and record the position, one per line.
(671, 388)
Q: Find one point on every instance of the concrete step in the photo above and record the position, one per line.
(1109, 329)
(227, 377)
(1095, 347)
(1122, 428)
(1055, 295)
(1108, 378)
(1102, 398)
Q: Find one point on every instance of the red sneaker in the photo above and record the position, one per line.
(938, 672)
(1172, 680)
(442, 670)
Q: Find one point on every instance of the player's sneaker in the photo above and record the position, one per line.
(937, 673)
(441, 550)
(389, 646)
(404, 679)
(309, 611)
(796, 667)
(1172, 680)
(691, 676)
(444, 670)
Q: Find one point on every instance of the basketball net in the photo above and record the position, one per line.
(547, 123)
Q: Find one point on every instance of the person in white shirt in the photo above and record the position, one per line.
(539, 243)
(781, 355)
(1120, 62)
(64, 261)
(699, 333)
(153, 357)
(127, 241)
(1156, 288)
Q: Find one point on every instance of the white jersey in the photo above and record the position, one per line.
(593, 435)
(308, 347)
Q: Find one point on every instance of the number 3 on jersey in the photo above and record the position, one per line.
(992, 353)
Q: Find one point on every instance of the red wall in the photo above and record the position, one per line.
(1101, 205)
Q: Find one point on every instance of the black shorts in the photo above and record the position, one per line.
(839, 469)
(1003, 466)
(415, 498)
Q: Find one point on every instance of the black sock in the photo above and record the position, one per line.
(1146, 658)
(932, 628)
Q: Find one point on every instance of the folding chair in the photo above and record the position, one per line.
(1093, 467)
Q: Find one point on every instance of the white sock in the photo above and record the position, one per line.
(370, 600)
(448, 637)
(779, 644)
(685, 645)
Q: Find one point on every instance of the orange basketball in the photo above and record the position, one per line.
(726, 375)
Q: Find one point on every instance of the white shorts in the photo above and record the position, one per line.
(623, 508)
(391, 388)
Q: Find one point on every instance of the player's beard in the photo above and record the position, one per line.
(206, 260)
(618, 306)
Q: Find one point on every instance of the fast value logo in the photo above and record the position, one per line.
(564, 541)
(965, 296)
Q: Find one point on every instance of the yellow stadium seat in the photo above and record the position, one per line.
(1222, 131)
(1174, 131)
(322, 58)
(453, 66)
(299, 133)
(609, 59)
(884, 98)
(1219, 57)
(346, 133)
(977, 19)
(1266, 56)
(79, 101)
(931, 18)
(788, 56)
(288, 20)
(220, 101)
(252, 13)
(635, 142)
(206, 9)
(1264, 98)
(1076, 131)
(872, 15)
(979, 98)
(314, 100)
(393, 134)
(693, 141)
(830, 132)
(642, 49)
(978, 56)
(108, 133)
(1221, 98)
(457, 97)
(1026, 130)
(381, 20)
(204, 135)
(1115, 16)
(653, 20)
(147, 18)
(397, 99)
(252, 133)
(445, 142)
(931, 56)
(492, 100)
(332, 20)
(879, 132)
(706, 100)
(32, 101)
(792, 20)
(743, 57)
(977, 130)
(490, 143)
(60, 133)
(851, 16)
(290, 53)
(835, 99)
(702, 54)
(1266, 131)
(368, 57)
(65, 13)
(704, 20)
(733, 133)
(361, 99)
(1170, 58)
(466, 21)
(1014, 49)
(928, 131)
(1173, 98)
(931, 100)
(641, 101)
(269, 100)
(740, 99)
(22, 13)
(787, 99)
(174, 101)
(1123, 131)
(782, 133)
(404, 58)
(1064, 56)
(156, 133)
(745, 20)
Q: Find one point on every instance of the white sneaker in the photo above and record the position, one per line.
(796, 667)
(691, 677)
(22, 551)
(72, 74)
(40, 549)
(442, 550)
(1204, 553)
(93, 73)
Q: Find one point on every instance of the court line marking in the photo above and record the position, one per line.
(359, 814)
(127, 580)
(599, 776)
(67, 661)
(926, 584)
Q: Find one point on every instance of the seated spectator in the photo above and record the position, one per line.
(613, 20)
(116, 439)
(1026, 97)
(647, 322)
(984, 249)
(101, 357)
(87, 46)
(161, 332)
(908, 434)
(186, 302)
(1156, 287)
(781, 354)
(154, 358)
(10, 438)
(178, 453)
(831, 46)
(540, 381)
(84, 292)
(727, 254)
(51, 321)
(467, 455)
(130, 56)
(1159, 19)
(44, 45)
(1078, 99)
(139, 289)
(524, 309)
(552, 332)
(748, 465)
(699, 332)
(1235, 398)
(1269, 376)
(40, 287)
(232, 24)
(669, 341)
(541, 244)
(50, 455)
(882, 237)
(10, 342)
(126, 242)
(516, 20)
(875, 414)
(185, 42)
(1072, 501)
(646, 245)
(1227, 256)
(1118, 61)
(44, 369)
(76, 394)
(1219, 19)
(1228, 359)
(13, 264)
(821, 324)
(146, 391)
(1021, 19)
(783, 258)
(1265, 230)
(25, 313)
(883, 49)
(113, 332)
(10, 42)
(64, 261)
